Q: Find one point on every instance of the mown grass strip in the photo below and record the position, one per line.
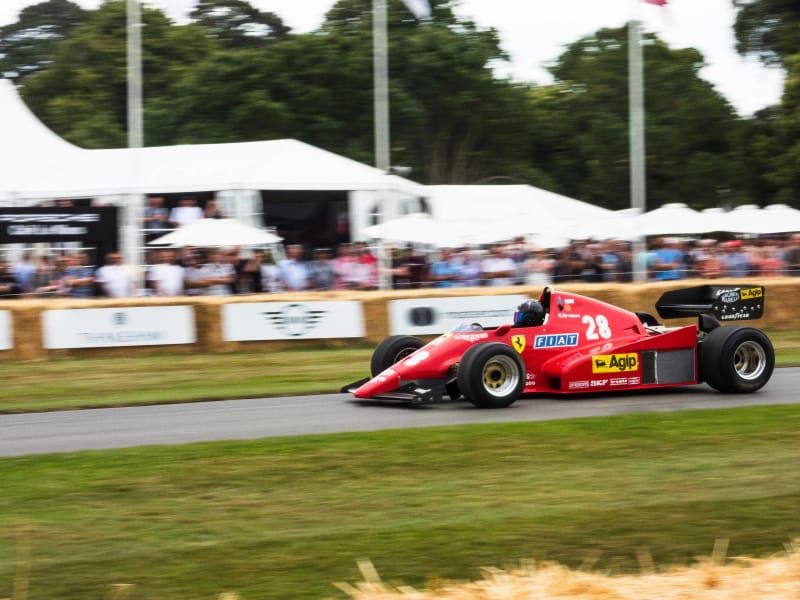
(285, 517)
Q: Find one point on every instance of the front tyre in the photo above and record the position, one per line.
(392, 350)
(736, 360)
(491, 375)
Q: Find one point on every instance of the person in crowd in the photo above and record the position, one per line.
(344, 267)
(46, 278)
(791, 255)
(9, 288)
(768, 261)
(445, 271)
(366, 270)
(115, 279)
(212, 211)
(270, 281)
(735, 259)
(248, 273)
(185, 213)
(321, 270)
(708, 260)
(416, 267)
(233, 257)
(667, 263)
(194, 275)
(23, 272)
(156, 218)
(78, 279)
(218, 274)
(518, 252)
(498, 269)
(468, 261)
(293, 271)
(165, 278)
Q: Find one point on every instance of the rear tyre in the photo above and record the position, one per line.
(491, 375)
(736, 360)
(392, 350)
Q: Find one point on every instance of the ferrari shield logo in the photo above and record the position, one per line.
(518, 341)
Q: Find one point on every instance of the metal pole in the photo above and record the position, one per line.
(637, 141)
(381, 83)
(133, 232)
(380, 64)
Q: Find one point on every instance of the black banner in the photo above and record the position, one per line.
(93, 226)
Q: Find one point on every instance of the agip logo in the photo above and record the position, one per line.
(751, 293)
(615, 363)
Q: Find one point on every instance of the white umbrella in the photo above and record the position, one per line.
(418, 228)
(776, 218)
(673, 218)
(214, 233)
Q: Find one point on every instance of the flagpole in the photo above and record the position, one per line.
(381, 83)
(637, 140)
(133, 234)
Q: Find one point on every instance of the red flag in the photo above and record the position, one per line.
(658, 2)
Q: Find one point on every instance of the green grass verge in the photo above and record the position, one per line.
(82, 383)
(284, 517)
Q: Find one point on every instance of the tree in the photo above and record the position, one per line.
(689, 126)
(82, 95)
(29, 45)
(236, 24)
(769, 29)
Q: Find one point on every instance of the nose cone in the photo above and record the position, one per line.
(385, 382)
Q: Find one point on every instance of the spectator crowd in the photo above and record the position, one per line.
(355, 266)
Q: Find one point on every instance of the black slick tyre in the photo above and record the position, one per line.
(392, 350)
(736, 360)
(491, 375)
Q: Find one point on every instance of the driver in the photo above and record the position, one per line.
(529, 314)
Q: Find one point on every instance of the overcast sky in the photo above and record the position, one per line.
(534, 33)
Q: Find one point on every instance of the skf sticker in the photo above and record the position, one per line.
(615, 363)
(559, 340)
(518, 341)
(751, 293)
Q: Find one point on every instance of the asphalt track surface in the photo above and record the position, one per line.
(95, 429)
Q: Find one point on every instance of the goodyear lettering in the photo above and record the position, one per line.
(615, 363)
(751, 293)
(559, 340)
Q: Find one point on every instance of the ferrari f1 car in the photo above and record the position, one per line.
(566, 343)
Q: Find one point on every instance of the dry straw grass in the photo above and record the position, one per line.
(776, 578)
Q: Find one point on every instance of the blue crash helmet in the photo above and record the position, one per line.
(529, 313)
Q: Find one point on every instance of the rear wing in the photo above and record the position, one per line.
(725, 302)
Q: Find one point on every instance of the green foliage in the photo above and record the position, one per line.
(29, 45)
(236, 24)
(769, 29)
(236, 73)
(286, 517)
(690, 128)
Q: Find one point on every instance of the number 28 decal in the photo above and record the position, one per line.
(596, 327)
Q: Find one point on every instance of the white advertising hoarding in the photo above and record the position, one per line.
(6, 337)
(431, 316)
(292, 320)
(114, 327)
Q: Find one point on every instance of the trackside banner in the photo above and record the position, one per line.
(431, 316)
(114, 327)
(36, 224)
(253, 321)
(6, 336)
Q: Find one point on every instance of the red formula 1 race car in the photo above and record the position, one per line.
(566, 343)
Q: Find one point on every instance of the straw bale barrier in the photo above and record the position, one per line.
(26, 314)
(775, 578)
